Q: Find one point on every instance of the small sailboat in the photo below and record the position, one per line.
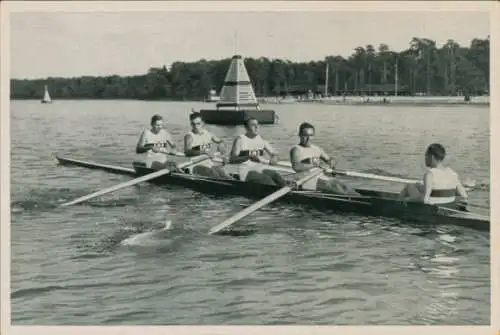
(46, 97)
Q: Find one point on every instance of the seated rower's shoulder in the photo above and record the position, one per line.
(315, 147)
(447, 170)
(452, 172)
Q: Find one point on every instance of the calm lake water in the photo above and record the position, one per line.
(109, 261)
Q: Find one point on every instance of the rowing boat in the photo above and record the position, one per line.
(370, 202)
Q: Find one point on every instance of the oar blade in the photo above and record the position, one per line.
(249, 210)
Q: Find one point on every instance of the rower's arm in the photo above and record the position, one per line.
(428, 183)
(216, 140)
(188, 147)
(220, 145)
(327, 159)
(297, 165)
(461, 190)
(140, 148)
(272, 153)
(269, 149)
(234, 157)
(171, 142)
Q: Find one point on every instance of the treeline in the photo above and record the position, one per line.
(421, 69)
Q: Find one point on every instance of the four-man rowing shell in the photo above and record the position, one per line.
(368, 202)
(305, 179)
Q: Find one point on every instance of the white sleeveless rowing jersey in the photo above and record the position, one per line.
(160, 139)
(444, 185)
(251, 145)
(309, 154)
(247, 146)
(201, 141)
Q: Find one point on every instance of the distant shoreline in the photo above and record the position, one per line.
(337, 101)
(380, 101)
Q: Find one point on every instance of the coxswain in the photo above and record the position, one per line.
(247, 153)
(156, 143)
(440, 184)
(305, 155)
(200, 141)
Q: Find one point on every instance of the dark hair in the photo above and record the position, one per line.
(155, 118)
(247, 121)
(305, 125)
(194, 115)
(437, 151)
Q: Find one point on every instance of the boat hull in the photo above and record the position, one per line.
(371, 202)
(237, 117)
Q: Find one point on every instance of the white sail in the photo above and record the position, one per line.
(46, 96)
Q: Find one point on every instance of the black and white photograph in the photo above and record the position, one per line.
(242, 164)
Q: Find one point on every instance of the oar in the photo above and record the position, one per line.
(217, 159)
(374, 176)
(149, 176)
(470, 185)
(464, 213)
(267, 200)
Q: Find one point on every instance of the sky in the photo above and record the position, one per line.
(124, 43)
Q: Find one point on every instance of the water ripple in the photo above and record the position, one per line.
(283, 264)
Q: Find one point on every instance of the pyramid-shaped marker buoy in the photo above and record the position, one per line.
(237, 90)
(237, 99)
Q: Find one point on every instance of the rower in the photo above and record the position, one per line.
(200, 141)
(305, 155)
(440, 183)
(248, 153)
(156, 143)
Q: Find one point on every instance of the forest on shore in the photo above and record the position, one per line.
(422, 69)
